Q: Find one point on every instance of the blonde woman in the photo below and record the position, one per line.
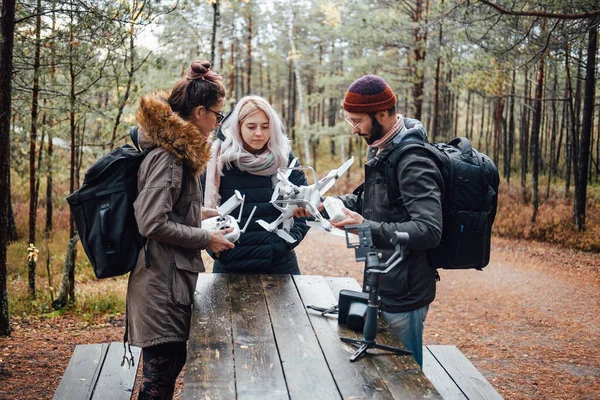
(250, 147)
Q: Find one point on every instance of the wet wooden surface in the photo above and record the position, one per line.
(252, 337)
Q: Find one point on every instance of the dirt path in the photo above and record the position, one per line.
(530, 322)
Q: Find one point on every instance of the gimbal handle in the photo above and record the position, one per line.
(399, 240)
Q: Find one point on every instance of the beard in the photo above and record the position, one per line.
(376, 131)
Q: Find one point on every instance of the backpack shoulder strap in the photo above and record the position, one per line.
(390, 163)
(133, 134)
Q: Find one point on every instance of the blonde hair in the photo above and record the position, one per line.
(233, 145)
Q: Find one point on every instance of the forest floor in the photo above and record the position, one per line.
(530, 322)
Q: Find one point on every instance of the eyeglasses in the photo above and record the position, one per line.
(219, 115)
(355, 125)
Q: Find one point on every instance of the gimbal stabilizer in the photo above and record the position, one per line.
(374, 268)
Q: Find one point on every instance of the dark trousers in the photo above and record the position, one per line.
(162, 365)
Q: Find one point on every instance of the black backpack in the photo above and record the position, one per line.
(102, 209)
(470, 200)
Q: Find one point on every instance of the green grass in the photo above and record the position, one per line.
(94, 298)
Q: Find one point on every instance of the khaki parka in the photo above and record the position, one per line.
(161, 286)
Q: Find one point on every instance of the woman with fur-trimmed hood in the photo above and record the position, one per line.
(168, 212)
(249, 149)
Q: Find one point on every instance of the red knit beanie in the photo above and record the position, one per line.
(369, 94)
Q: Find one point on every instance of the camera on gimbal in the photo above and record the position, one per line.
(352, 305)
(352, 309)
(359, 310)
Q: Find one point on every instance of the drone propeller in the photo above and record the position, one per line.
(289, 169)
(334, 231)
(333, 175)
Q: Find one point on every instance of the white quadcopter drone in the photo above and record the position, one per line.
(224, 220)
(287, 197)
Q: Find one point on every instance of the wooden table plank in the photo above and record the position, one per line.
(403, 376)
(338, 283)
(82, 373)
(296, 341)
(466, 376)
(440, 378)
(116, 381)
(210, 364)
(259, 374)
(359, 380)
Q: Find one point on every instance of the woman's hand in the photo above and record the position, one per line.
(218, 242)
(209, 213)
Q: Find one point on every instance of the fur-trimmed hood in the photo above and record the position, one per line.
(160, 126)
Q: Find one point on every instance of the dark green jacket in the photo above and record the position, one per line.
(411, 284)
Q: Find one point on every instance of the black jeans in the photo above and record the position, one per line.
(162, 365)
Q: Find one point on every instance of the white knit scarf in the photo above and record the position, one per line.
(263, 164)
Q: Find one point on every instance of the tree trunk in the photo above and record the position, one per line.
(560, 135)
(215, 35)
(130, 74)
(232, 73)
(299, 90)
(570, 123)
(269, 91)
(261, 78)
(67, 287)
(32, 146)
(489, 129)
(13, 235)
(249, 55)
(49, 186)
(468, 113)
(7, 32)
(524, 129)
(511, 128)
(455, 107)
(552, 169)
(436, 97)
(535, 133)
(498, 127)
(420, 18)
(586, 129)
(482, 122)
(67, 290)
(576, 131)
(598, 149)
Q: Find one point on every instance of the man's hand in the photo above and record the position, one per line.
(302, 213)
(218, 242)
(209, 213)
(352, 218)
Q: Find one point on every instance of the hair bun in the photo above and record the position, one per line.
(198, 69)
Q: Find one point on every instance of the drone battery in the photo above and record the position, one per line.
(352, 309)
(334, 206)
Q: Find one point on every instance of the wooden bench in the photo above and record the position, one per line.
(454, 376)
(95, 372)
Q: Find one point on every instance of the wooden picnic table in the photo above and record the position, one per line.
(252, 337)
